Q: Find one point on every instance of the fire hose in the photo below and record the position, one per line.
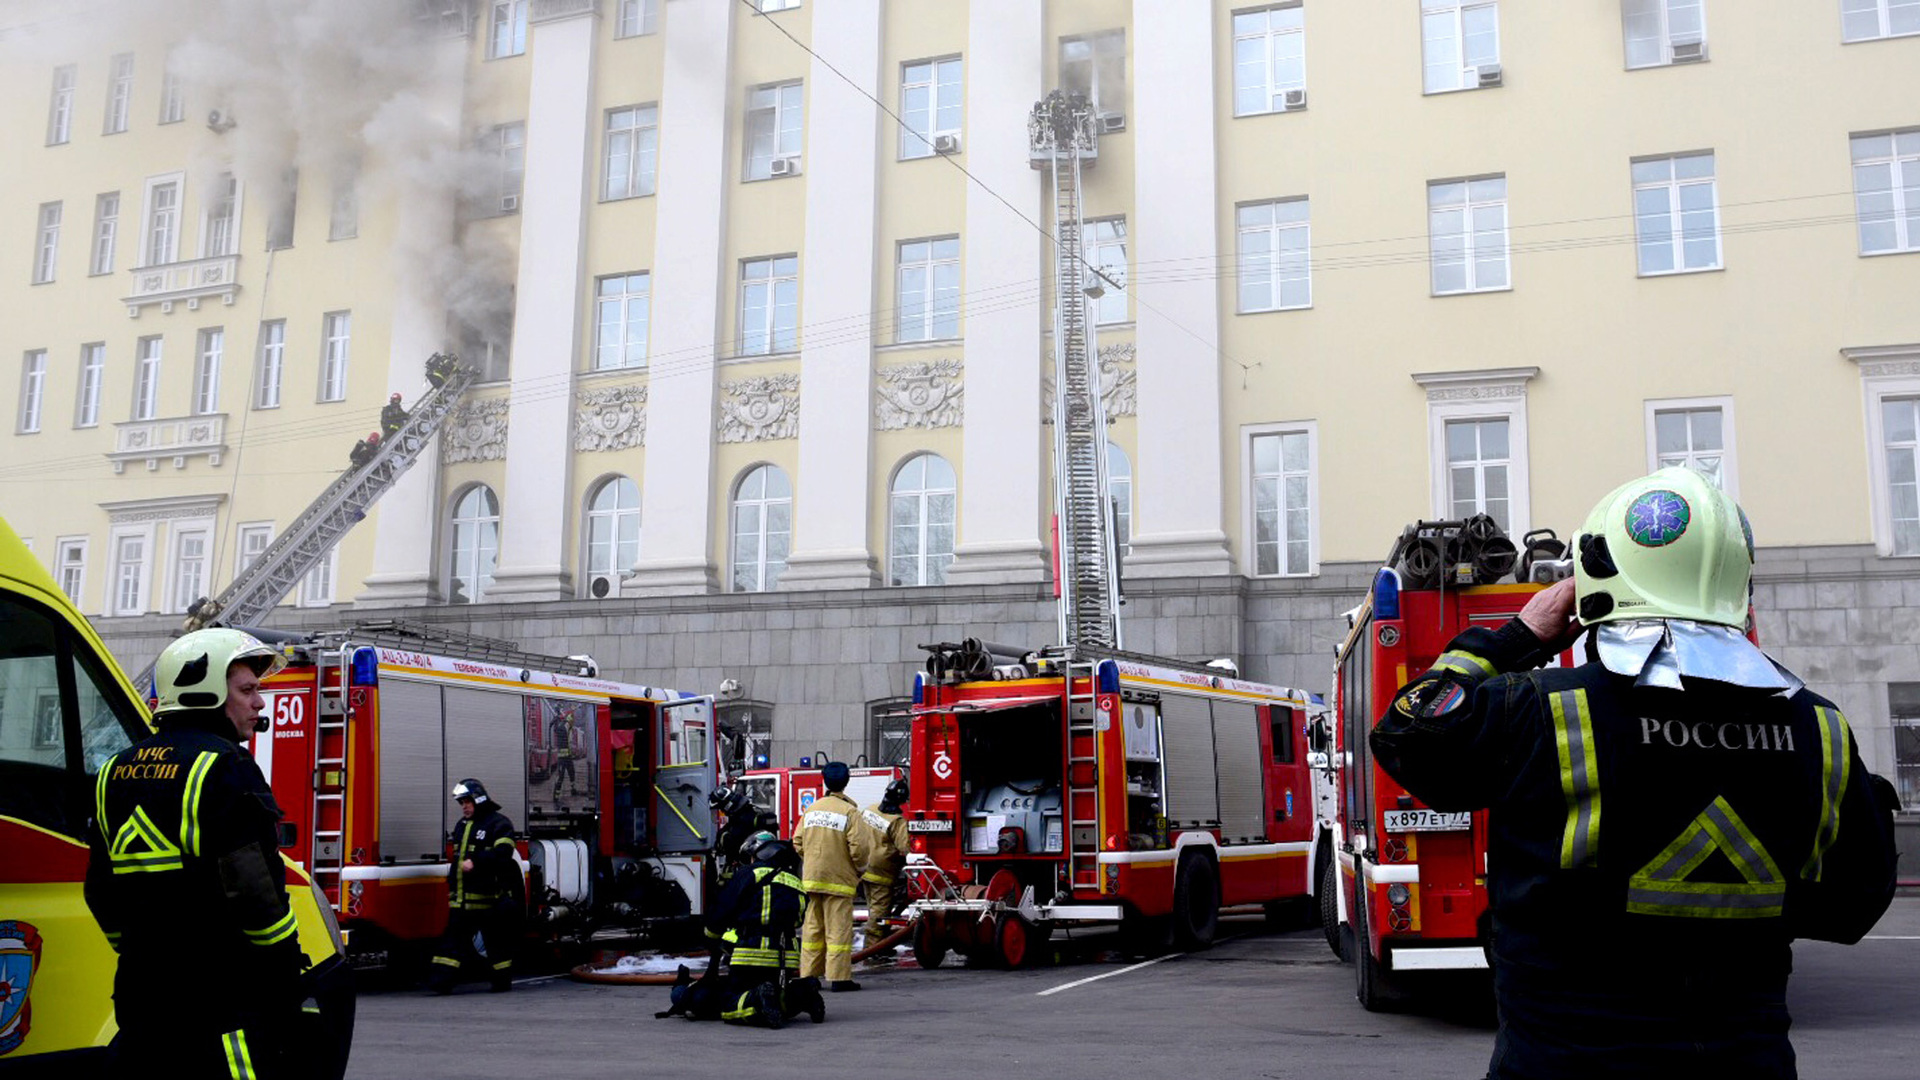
(606, 975)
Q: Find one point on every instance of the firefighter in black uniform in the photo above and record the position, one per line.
(1666, 818)
(184, 877)
(561, 737)
(744, 819)
(364, 449)
(440, 368)
(484, 892)
(393, 416)
(756, 920)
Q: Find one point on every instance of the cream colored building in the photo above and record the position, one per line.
(778, 284)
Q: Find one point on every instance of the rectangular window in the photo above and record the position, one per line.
(1478, 460)
(1903, 708)
(60, 108)
(129, 574)
(1106, 246)
(929, 284)
(1459, 42)
(93, 363)
(163, 223)
(1282, 478)
(776, 5)
(106, 226)
(119, 92)
(633, 147)
(1275, 255)
(1664, 31)
(509, 37)
(173, 98)
(46, 248)
(506, 145)
(931, 103)
(316, 589)
(191, 554)
(221, 233)
(33, 387)
(1675, 214)
(774, 130)
(1900, 442)
(1886, 190)
(1695, 438)
(1467, 229)
(1269, 60)
(335, 335)
(146, 378)
(1864, 20)
(622, 305)
(285, 210)
(206, 371)
(70, 566)
(890, 731)
(769, 305)
(637, 17)
(343, 217)
(273, 348)
(1096, 65)
(252, 543)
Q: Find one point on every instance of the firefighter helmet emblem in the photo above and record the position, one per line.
(19, 957)
(1658, 518)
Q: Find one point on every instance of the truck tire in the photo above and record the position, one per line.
(1016, 942)
(1373, 985)
(1196, 902)
(928, 950)
(1330, 905)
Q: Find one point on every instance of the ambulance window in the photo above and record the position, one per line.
(32, 730)
(1280, 727)
(103, 730)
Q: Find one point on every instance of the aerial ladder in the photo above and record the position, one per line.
(256, 590)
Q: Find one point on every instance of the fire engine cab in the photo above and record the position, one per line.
(606, 781)
(1087, 786)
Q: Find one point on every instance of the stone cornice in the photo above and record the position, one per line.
(1885, 361)
(169, 508)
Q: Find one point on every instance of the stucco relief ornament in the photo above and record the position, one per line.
(927, 394)
(759, 409)
(476, 431)
(1119, 389)
(614, 418)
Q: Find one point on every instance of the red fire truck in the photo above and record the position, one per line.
(607, 781)
(1411, 896)
(788, 792)
(1087, 786)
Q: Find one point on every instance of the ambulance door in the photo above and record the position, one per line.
(684, 768)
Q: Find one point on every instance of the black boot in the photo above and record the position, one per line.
(843, 986)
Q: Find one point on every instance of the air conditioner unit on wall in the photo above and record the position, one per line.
(601, 586)
(509, 203)
(1112, 122)
(785, 166)
(1687, 50)
(1294, 99)
(946, 144)
(1489, 74)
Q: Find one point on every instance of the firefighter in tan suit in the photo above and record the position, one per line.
(832, 852)
(885, 836)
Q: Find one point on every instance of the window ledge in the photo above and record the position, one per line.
(629, 198)
(597, 373)
(1470, 292)
(1682, 273)
(1879, 37)
(1915, 250)
(916, 346)
(1278, 310)
(764, 179)
(759, 358)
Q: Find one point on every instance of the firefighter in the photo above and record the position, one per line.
(393, 416)
(440, 368)
(885, 832)
(833, 852)
(483, 892)
(755, 921)
(562, 736)
(1651, 939)
(364, 449)
(743, 820)
(185, 879)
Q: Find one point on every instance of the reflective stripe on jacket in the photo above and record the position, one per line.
(885, 837)
(831, 851)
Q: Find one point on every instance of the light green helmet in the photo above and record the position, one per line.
(1666, 546)
(192, 672)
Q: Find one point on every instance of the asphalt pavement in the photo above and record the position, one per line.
(1258, 1004)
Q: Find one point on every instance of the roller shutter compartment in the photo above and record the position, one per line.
(487, 740)
(1186, 730)
(1238, 764)
(413, 775)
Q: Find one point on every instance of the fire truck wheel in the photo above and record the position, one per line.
(1196, 902)
(1016, 942)
(1330, 906)
(928, 950)
(1372, 984)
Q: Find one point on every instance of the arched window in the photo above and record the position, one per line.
(920, 522)
(476, 545)
(1120, 494)
(762, 528)
(613, 533)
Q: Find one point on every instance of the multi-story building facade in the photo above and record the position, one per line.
(761, 291)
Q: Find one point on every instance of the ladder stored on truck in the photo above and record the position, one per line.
(1081, 807)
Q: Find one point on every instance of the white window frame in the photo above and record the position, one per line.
(787, 110)
(935, 304)
(1882, 11)
(1469, 234)
(336, 343)
(1276, 266)
(761, 562)
(510, 16)
(626, 301)
(209, 348)
(608, 521)
(343, 212)
(242, 536)
(46, 245)
(1486, 394)
(636, 18)
(481, 580)
(284, 214)
(631, 160)
(119, 93)
(1729, 459)
(65, 567)
(1466, 76)
(766, 6)
(1249, 553)
(1888, 371)
(769, 332)
(176, 601)
(121, 600)
(60, 105)
(317, 586)
(1094, 42)
(929, 566)
(1676, 237)
(170, 249)
(1663, 10)
(507, 145)
(1109, 256)
(1273, 90)
(1904, 171)
(33, 391)
(270, 364)
(173, 96)
(93, 368)
(916, 141)
(106, 231)
(148, 355)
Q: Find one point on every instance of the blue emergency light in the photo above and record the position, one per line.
(919, 688)
(806, 762)
(759, 761)
(1386, 594)
(366, 666)
(1106, 677)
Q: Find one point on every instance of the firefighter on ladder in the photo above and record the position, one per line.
(885, 831)
(832, 852)
(483, 892)
(184, 876)
(1654, 939)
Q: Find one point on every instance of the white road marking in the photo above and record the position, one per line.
(1106, 975)
(1893, 937)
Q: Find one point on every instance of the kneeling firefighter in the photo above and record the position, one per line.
(485, 894)
(753, 926)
